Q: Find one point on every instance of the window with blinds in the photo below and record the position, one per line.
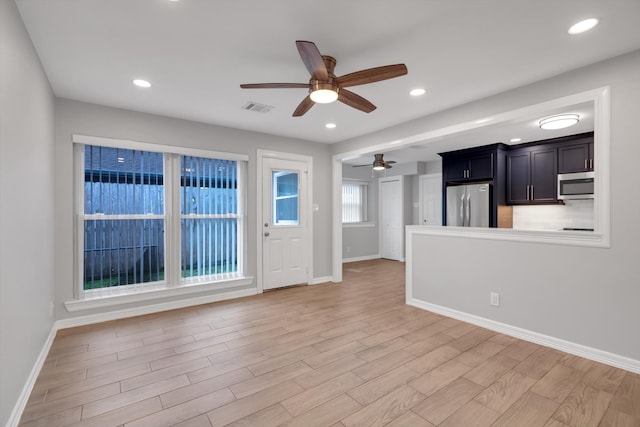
(354, 201)
(134, 201)
(208, 217)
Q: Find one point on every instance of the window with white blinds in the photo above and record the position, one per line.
(354, 201)
(157, 218)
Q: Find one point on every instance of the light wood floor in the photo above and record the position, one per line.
(350, 354)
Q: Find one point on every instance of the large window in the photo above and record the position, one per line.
(152, 219)
(354, 201)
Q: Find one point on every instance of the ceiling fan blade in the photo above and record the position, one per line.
(372, 75)
(390, 162)
(275, 85)
(355, 101)
(312, 60)
(303, 107)
(360, 166)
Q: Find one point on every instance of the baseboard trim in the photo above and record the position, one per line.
(149, 309)
(319, 280)
(360, 258)
(591, 353)
(16, 414)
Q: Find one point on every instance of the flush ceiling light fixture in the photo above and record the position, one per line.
(417, 92)
(583, 26)
(330, 125)
(558, 122)
(142, 83)
(515, 140)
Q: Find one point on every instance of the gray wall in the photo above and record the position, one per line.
(73, 117)
(26, 207)
(588, 296)
(362, 241)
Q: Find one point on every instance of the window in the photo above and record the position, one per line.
(151, 219)
(285, 197)
(354, 201)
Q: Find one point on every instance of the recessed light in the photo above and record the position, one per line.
(515, 140)
(560, 121)
(141, 83)
(417, 92)
(583, 26)
(330, 125)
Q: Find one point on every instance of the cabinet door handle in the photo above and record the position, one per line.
(586, 164)
(532, 193)
(527, 192)
(591, 163)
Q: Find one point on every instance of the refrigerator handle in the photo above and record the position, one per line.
(468, 214)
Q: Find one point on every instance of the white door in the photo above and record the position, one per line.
(391, 202)
(431, 199)
(285, 226)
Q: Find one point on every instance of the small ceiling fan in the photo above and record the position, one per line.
(378, 164)
(324, 87)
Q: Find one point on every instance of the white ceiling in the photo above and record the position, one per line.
(196, 53)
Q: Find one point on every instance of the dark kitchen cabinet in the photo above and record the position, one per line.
(532, 175)
(575, 157)
(479, 166)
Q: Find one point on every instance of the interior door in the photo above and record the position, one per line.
(390, 193)
(431, 200)
(285, 231)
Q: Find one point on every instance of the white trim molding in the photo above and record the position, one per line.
(16, 413)
(360, 258)
(153, 308)
(319, 280)
(580, 350)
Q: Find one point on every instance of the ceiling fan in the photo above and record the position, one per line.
(378, 164)
(324, 87)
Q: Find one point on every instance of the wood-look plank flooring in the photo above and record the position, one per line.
(350, 354)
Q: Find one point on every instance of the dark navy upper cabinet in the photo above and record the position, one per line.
(532, 175)
(468, 166)
(576, 157)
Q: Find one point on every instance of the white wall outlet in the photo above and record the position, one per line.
(494, 299)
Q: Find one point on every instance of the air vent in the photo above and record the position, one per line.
(258, 108)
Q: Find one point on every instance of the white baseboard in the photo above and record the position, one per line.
(318, 280)
(591, 353)
(153, 308)
(360, 258)
(14, 418)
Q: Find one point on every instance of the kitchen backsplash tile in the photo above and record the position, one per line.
(574, 214)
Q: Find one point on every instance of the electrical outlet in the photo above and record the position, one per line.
(494, 299)
(348, 248)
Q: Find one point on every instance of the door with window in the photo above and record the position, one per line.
(285, 226)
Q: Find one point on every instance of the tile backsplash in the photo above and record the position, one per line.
(574, 214)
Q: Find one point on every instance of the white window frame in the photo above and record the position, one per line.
(364, 208)
(173, 284)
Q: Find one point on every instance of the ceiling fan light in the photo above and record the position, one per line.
(559, 122)
(324, 96)
(378, 165)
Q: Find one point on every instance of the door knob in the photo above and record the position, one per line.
(266, 234)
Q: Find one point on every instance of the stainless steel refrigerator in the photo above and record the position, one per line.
(469, 205)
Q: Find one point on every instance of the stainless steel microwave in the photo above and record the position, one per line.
(575, 186)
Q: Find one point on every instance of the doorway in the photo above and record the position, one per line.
(284, 230)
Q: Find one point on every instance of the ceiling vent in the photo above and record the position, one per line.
(258, 108)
